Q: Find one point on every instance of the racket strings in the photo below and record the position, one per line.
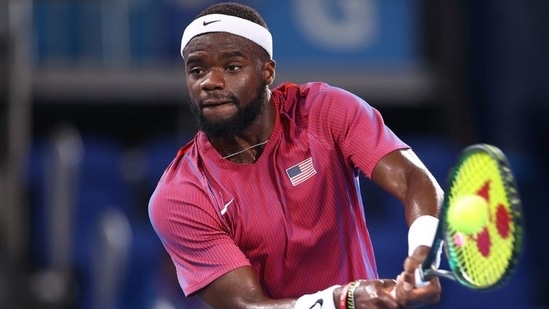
(482, 259)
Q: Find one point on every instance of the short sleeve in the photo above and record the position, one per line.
(193, 235)
(356, 128)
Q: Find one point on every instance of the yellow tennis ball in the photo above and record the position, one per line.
(468, 214)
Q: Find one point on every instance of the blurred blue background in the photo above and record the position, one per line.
(93, 107)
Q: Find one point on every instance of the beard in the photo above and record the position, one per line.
(244, 117)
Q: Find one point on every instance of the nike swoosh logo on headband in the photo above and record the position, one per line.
(205, 23)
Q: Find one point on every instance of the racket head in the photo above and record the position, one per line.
(487, 259)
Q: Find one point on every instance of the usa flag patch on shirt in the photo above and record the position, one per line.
(301, 171)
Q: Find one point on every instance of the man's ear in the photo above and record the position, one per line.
(269, 71)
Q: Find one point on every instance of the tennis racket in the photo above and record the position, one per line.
(486, 259)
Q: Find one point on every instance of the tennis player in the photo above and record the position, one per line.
(262, 208)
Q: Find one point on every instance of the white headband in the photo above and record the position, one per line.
(231, 24)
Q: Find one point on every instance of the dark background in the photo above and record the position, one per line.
(93, 107)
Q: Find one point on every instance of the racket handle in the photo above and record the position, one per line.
(420, 277)
(423, 276)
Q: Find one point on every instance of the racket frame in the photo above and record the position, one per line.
(426, 271)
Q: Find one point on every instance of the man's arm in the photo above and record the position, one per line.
(402, 174)
(240, 289)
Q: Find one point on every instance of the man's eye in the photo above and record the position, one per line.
(196, 71)
(233, 68)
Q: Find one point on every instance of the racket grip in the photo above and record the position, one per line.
(420, 278)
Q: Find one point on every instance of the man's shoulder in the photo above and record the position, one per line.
(305, 98)
(181, 165)
(304, 89)
(311, 91)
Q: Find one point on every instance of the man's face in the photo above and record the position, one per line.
(225, 82)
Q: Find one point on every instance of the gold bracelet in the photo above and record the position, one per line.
(351, 294)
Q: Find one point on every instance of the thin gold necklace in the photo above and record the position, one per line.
(245, 149)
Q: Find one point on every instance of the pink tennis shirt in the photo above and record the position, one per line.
(295, 215)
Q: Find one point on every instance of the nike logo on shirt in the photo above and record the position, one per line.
(205, 23)
(318, 302)
(224, 210)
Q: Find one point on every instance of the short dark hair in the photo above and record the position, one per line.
(235, 9)
(242, 11)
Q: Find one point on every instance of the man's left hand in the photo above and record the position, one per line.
(406, 293)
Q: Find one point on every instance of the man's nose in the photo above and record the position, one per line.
(214, 79)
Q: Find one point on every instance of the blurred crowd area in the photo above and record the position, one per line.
(93, 107)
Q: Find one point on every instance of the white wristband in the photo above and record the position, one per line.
(422, 233)
(324, 299)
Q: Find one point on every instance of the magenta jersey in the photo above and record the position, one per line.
(295, 215)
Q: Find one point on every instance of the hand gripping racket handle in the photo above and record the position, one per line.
(422, 276)
(426, 271)
(420, 281)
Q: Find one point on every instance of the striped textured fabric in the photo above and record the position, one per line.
(294, 212)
